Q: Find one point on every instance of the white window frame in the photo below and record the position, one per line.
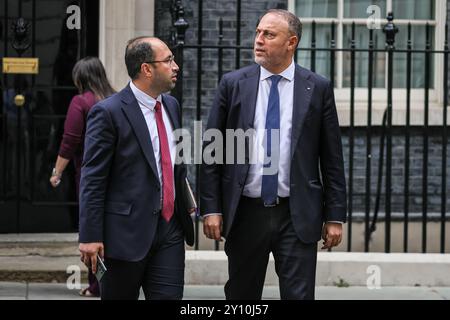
(380, 94)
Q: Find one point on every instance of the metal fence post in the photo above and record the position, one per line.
(390, 30)
(20, 44)
(180, 26)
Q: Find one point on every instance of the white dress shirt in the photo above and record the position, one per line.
(147, 105)
(253, 183)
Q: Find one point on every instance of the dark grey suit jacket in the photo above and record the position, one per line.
(120, 192)
(317, 180)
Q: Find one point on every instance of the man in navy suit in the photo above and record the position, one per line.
(290, 189)
(131, 208)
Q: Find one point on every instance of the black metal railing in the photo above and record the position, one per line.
(3, 158)
(369, 212)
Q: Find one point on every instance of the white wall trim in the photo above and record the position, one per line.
(440, 16)
(144, 18)
(291, 6)
(117, 26)
(101, 32)
(119, 21)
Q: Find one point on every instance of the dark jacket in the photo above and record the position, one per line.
(120, 192)
(317, 180)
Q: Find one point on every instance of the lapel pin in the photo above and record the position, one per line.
(308, 88)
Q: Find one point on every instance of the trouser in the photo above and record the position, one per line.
(257, 231)
(160, 273)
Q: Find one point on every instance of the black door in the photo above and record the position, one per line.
(30, 135)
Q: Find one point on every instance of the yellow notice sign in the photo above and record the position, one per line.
(21, 65)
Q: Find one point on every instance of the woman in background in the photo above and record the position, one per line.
(89, 77)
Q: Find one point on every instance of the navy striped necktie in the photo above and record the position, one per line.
(269, 187)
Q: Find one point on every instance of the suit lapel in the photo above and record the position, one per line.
(136, 118)
(248, 92)
(303, 89)
(172, 112)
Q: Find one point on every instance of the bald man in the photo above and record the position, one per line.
(130, 212)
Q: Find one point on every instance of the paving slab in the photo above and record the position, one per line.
(13, 290)
(443, 292)
(59, 291)
(384, 293)
(52, 291)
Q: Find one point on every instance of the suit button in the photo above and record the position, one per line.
(155, 211)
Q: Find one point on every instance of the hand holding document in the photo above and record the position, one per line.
(191, 202)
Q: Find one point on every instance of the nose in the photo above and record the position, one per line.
(175, 66)
(259, 38)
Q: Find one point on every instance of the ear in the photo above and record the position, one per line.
(146, 70)
(293, 40)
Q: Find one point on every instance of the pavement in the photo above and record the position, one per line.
(59, 291)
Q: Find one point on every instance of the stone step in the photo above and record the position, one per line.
(59, 244)
(47, 245)
(53, 257)
(210, 268)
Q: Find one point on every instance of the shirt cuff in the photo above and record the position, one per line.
(340, 222)
(211, 214)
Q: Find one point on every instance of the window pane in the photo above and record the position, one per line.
(316, 8)
(418, 34)
(323, 40)
(362, 38)
(358, 8)
(413, 9)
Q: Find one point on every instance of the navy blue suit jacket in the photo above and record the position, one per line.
(317, 180)
(120, 192)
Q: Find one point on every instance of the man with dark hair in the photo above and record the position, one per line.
(291, 188)
(131, 212)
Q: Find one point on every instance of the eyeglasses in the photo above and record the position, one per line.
(169, 60)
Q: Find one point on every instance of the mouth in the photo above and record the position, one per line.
(259, 51)
(174, 77)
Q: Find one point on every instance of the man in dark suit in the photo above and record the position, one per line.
(131, 208)
(290, 188)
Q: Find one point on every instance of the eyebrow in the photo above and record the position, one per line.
(266, 30)
(166, 57)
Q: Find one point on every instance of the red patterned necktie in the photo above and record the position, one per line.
(166, 166)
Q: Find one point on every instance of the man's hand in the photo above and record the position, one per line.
(212, 226)
(331, 235)
(89, 254)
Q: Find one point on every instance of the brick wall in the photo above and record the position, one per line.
(416, 154)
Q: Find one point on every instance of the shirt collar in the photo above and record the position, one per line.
(287, 74)
(143, 98)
